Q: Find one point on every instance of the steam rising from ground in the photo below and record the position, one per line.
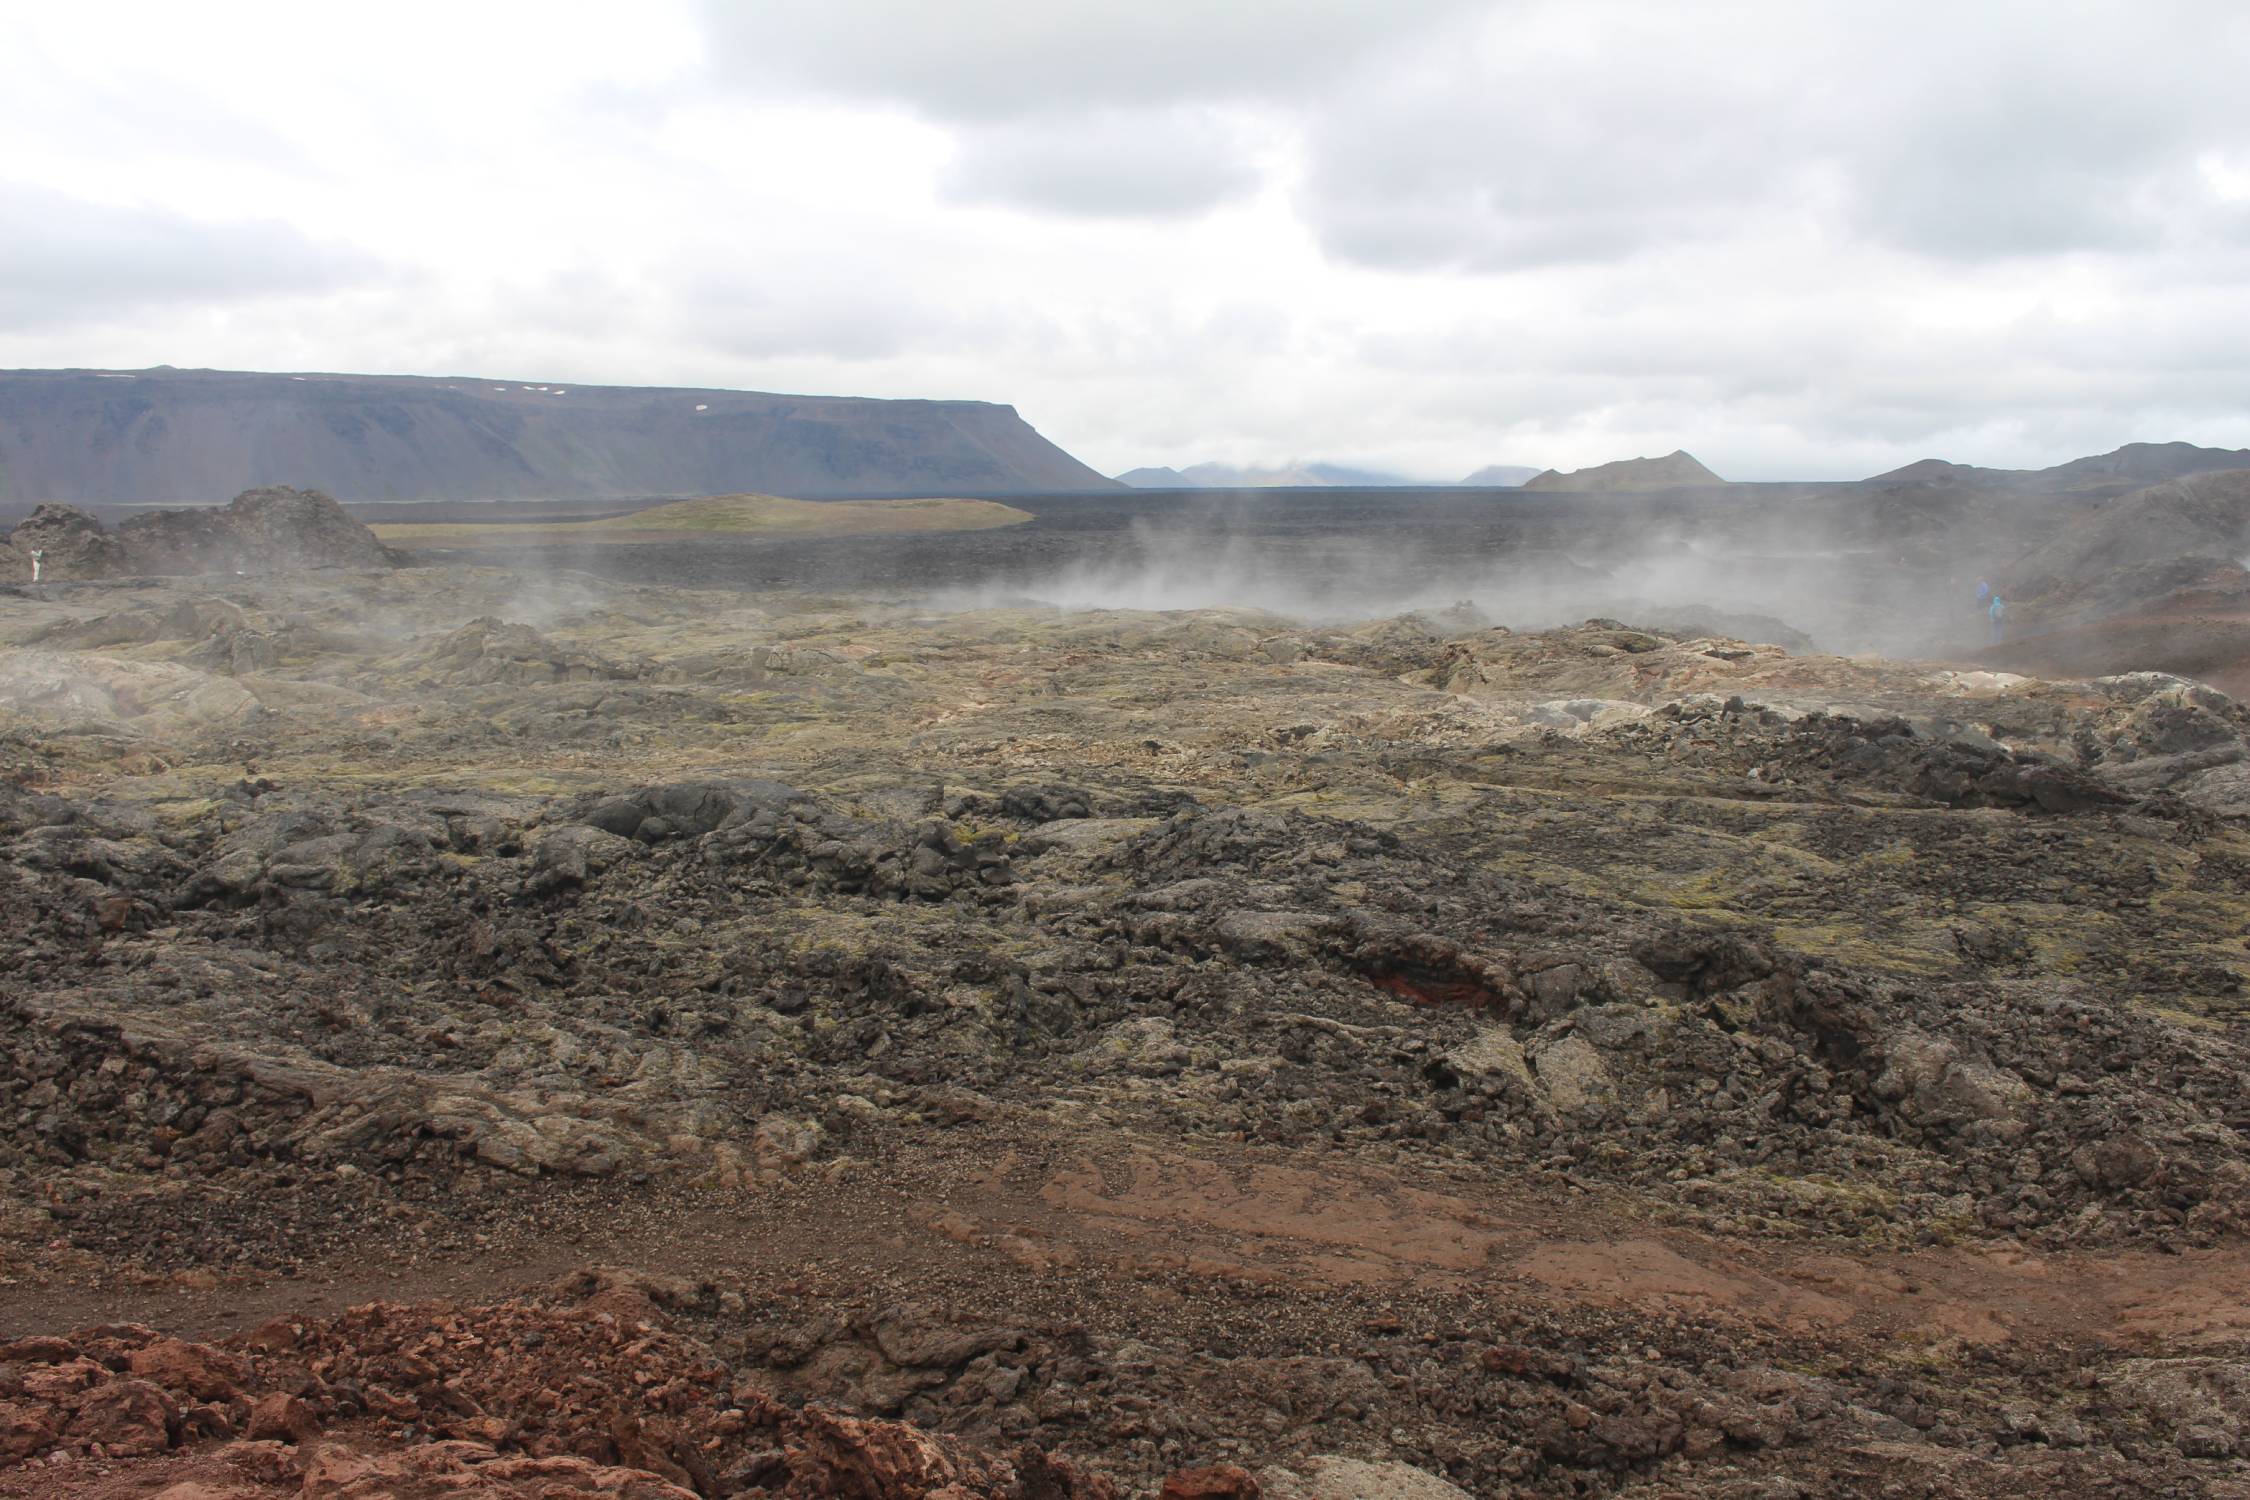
(1805, 569)
(1794, 596)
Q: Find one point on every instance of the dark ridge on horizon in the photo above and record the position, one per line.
(2130, 465)
(166, 436)
(2134, 463)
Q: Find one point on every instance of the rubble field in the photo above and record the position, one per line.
(478, 1033)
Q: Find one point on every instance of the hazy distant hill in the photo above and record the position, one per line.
(1938, 471)
(1155, 478)
(1673, 469)
(1500, 476)
(1216, 476)
(2133, 464)
(170, 436)
(2203, 515)
(2150, 463)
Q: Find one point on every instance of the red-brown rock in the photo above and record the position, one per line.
(1042, 1476)
(25, 1430)
(283, 1417)
(1213, 1482)
(275, 1336)
(44, 1350)
(210, 1489)
(57, 1382)
(196, 1370)
(588, 1404)
(473, 1471)
(129, 1418)
(863, 1460)
(210, 1419)
(389, 1404)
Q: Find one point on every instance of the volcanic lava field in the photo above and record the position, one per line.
(1204, 999)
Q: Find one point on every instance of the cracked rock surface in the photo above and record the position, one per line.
(467, 1033)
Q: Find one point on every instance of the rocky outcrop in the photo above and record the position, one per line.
(273, 530)
(70, 544)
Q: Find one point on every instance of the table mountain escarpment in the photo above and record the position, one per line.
(170, 437)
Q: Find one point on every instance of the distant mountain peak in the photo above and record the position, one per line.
(1675, 469)
(1925, 469)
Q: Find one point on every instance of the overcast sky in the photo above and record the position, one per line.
(1426, 235)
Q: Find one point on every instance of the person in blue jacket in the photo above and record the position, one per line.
(1998, 610)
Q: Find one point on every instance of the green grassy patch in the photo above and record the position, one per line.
(729, 515)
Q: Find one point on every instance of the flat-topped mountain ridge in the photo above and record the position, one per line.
(181, 436)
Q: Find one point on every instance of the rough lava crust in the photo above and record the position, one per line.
(481, 1034)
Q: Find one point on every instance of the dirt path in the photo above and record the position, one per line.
(1128, 1233)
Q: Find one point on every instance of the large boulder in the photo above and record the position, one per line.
(1934, 1084)
(1576, 1080)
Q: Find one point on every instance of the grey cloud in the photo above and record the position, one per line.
(1498, 152)
(141, 116)
(764, 325)
(1116, 163)
(1510, 134)
(1615, 129)
(2081, 133)
(847, 306)
(984, 60)
(1472, 227)
(1849, 365)
(65, 261)
(1078, 107)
